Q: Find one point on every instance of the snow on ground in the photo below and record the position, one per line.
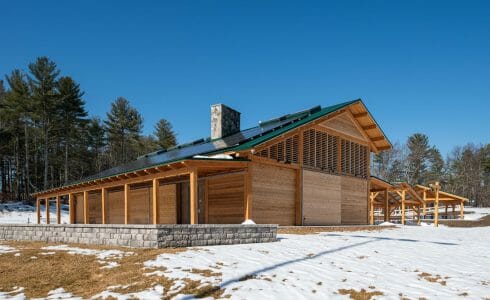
(475, 213)
(21, 213)
(7, 249)
(436, 263)
(105, 257)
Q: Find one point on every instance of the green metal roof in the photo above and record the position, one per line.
(243, 140)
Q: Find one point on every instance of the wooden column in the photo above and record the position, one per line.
(371, 207)
(58, 209)
(403, 207)
(154, 198)
(47, 210)
(387, 207)
(248, 193)
(462, 210)
(38, 210)
(418, 214)
(126, 203)
(193, 197)
(436, 204)
(103, 198)
(425, 204)
(85, 208)
(71, 208)
(299, 198)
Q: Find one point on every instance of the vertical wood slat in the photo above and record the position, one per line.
(103, 196)
(206, 201)
(47, 210)
(58, 209)
(71, 208)
(85, 208)
(126, 204)
(38, 210)
(193, 197)
(387, 206)
(154, 198)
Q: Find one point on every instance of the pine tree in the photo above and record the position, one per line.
(418, 147)
(72, 116)
(124, 124)
(46, 102)
(164, 134)
(96, 142)
(436, 166)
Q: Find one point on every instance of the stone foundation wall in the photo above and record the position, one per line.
(151, 236)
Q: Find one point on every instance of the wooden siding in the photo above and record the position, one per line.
(273, 194)
(115, 206)
(354, 200)
(226, 199)
(167, 204)
(95, 208)
(140, 205)
(321, 198)
(78, 208)
(344, 124)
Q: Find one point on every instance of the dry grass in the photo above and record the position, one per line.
(432, 278)
(82, 275)
(360, 295)
(318, 229)
(483, 222)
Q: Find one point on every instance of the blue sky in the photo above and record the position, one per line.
(420, 66)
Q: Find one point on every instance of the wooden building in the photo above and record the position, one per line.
(306, 168)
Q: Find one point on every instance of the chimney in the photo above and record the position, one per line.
(224, 121)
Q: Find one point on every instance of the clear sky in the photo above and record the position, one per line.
(420, 66)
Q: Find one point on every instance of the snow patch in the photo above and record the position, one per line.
(248, 222)
(60, 293)
(16, 294)
(7, 249)
(155, 292)
(102, 255)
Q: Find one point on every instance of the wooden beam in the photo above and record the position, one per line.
(299, 198)
(71, 208)
(154, 198)
(38, 210)
(193, 196)
(377, 138)
(436, 187)
(85, 208)
(369, 127)
(384, 148)
(47, 210)
(360, 115)
(103, 196)
(126, 203)
(58, 210)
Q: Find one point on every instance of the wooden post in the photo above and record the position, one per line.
(58, 209)
(193, 197)
(154, 198)
(38, 210)
(387, 207)
(248, 193)
(85, 208)
(371, 208)
(71, 208)
(424, 212)
(462, 210)
(453, 207)
(446, 209)
(47, 210)
(103, 198)
(403, 207)
(418, 215)
(436, 188)
(126, 203)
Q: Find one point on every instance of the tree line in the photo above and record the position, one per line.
(465, 171)
(47, 137)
